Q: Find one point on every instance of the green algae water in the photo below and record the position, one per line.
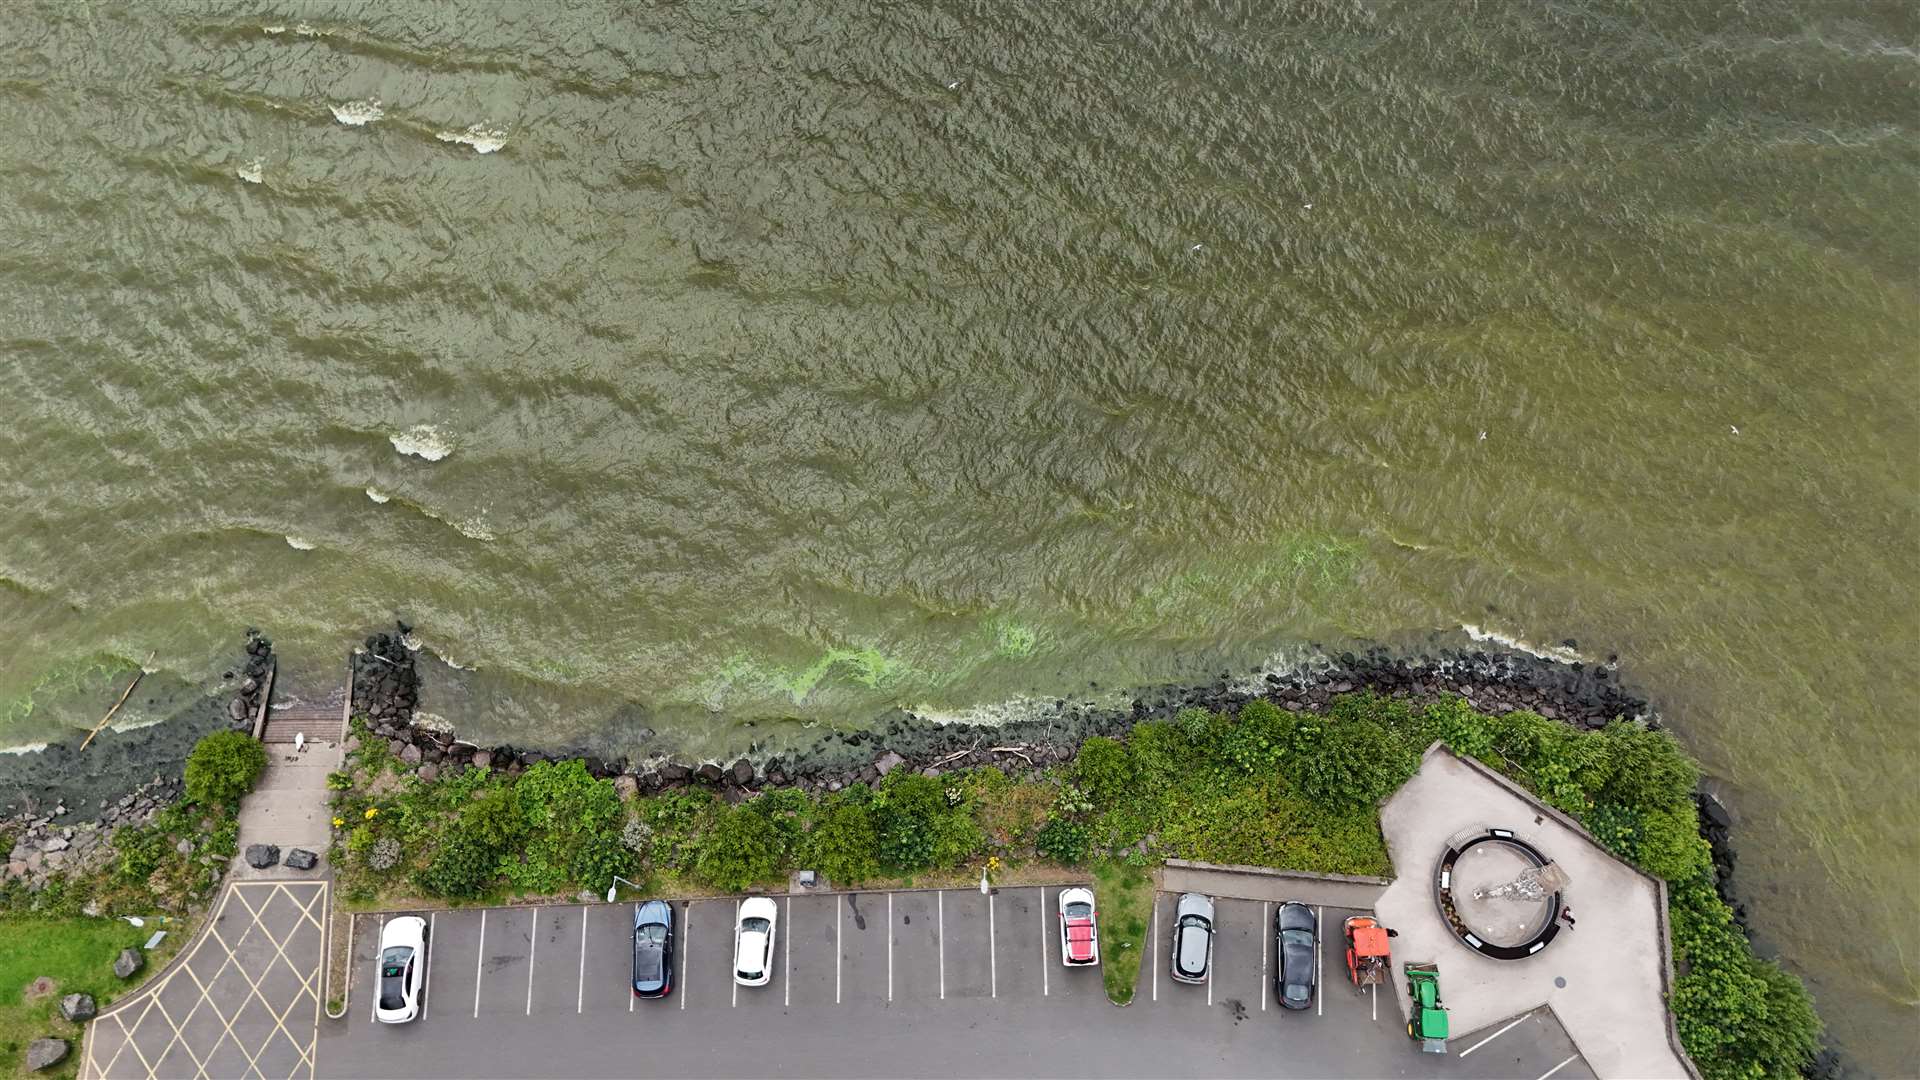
(696, 372)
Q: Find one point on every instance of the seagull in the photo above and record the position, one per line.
(1195, 248)
(299, 742)
(1483, 436)
(1733, 429)
(1306, 206)
(955, 84)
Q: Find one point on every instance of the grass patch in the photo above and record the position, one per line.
(77, 954)
(1125, 896)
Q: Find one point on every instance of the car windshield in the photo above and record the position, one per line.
(1078, 910)
(393, 977)
(754, 925)
(650, 935)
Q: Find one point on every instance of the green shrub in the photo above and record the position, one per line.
(1258, 738)
(845, 845)
(1345, 764)
(1064, 840)
(461, 869)
(1104, 770)
(1161, 756)
(223, 767)
(573, 824)
(742, 848)
(1196, 724)
(915, 822)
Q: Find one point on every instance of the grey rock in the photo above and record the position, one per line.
(237, 709)
(743, 772)
(128, 962)
(410, 754)
(45, 1053)
(302, 859)
(184, 847)
(626, 786)
(709, 773)
(395, 746)
(888, 762)
(930, 771)
(833, 785)
(1715, 812)
(261, 856)
(55, 843)
(482, 759)
(78, 1007)
(352, 744)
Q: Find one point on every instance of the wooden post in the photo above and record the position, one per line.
(266, 702)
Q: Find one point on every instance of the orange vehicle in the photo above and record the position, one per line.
(1369, 962)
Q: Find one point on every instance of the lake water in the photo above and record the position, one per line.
(683, 368)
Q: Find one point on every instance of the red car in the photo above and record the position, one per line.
(1079, 928)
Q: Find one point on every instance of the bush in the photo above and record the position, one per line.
(462, 869)
(1064, 840)
(845, 845)
(742, 848)
(918, 826)
(385, 854)
(1345, 764)
(1104, 769)
(1257, 740)
(223, 767)
(573, 824)
(1196, 724)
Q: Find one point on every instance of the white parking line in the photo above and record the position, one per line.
(993, 954)
(1557, 1068)
(580, 996)
(634, 915)
(1266, 927)
(373, 1006)
(735, 983)
(427, 1005)
(1511, 1024)
(889, 946)
(837, 950)
(1319, 931)
(786, 976)
(1043, 941)
(480, 963)
(1156, 948)
(686, 949)
(940, 937)
(1213, 966)
(1375, 988)
(533, 951)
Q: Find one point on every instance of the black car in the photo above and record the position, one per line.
(653, 949)
(1294, 947)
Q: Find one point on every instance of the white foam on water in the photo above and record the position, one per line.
(252, 172)
(432, 722)
(24, 748)
(300, 543)
(484, 140)
(357, 113)
(274, 30)
(422, 441)
(377, 495)
(473, 528)
(1545, 652)
(411, 641)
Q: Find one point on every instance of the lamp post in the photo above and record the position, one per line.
(614, 888)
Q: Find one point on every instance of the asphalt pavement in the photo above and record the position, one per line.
(878, 984)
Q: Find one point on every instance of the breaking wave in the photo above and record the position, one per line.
(422, 441)
(484, 140)
(358, 113)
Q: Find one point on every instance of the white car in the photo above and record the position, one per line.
(1079, 928)
(753, 941)
(403, 966)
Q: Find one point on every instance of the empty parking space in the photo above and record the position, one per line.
(1020, 924)
(864, 935)
(813, 963)
(1532, 1046)
(916, 946)
(968, 939)
(555, 985)
(605, 984)
(1241, 968)
(709, 954)
(506, 958)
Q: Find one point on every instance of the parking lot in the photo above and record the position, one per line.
(909, 983)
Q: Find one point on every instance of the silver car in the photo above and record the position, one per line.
(1192, 938)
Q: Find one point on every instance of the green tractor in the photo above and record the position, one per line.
(1427, 1021)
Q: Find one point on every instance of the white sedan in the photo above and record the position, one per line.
(1079, 928)
(753, 941)
(403, 965)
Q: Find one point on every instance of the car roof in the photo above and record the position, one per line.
(1192, 955)
(1194, 903)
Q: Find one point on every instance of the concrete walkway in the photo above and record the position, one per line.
(1278, 886)
(288, 807)
(1605, 981)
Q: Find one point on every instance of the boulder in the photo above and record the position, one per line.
(397, 746)
(410, 754)
(626, 786)
(674, 773)
(184, 847)
(1715, 812)
(237, 709)
(128, 962)
(888, 762)
(742, 772)
(429, 773)
(45, 1053)
(261, 856)
(709, 773)
(78, 1007)
(482, 759)
(302, 859)
(54, 843)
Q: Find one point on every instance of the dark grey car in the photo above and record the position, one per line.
(1294, 947)
(653, 949)
(1192, 938)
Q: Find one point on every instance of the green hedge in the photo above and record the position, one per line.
(223, 767)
